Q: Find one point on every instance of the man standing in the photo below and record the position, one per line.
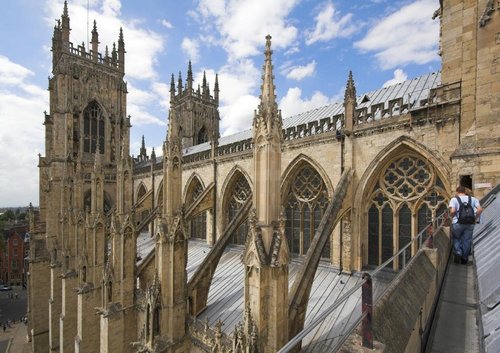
(465, 210)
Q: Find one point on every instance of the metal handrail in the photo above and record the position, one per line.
(302, 334)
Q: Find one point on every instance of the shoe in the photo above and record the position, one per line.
(464, 261)
(456, 258)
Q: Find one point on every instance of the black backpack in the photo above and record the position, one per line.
(466, 213)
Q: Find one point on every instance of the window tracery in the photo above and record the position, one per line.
(198, 222)
(239, 194)
(404, 200)
(93, 128)
(305, 203)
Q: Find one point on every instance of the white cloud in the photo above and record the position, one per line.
(12, 73)
(162, 91)
(243, 24)
(330, 25)
(139, 104)
(167, 24)
(21, 136)
(190, 48)
(293, 103)
(409, 35)
(300, 72)
(238, 116)
(143, 45)
(399, 76)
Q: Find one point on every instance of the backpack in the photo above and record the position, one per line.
(466, 214)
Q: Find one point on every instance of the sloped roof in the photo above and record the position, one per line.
(487, 259)
(412, 92)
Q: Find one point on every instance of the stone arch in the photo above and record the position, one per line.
(305, 198)
(197, 224)
(95, 127)
(238, 179)
(296, 163)
(190, 186)
(385, 208)
(202, 135)
(141, 191)
(159, 194)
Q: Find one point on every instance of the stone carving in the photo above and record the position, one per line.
(486, 17)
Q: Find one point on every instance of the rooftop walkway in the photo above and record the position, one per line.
(467, 317)
(455, 328)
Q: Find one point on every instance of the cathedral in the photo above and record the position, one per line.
(237, 243)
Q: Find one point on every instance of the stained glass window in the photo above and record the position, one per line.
(240, 192)
(408, 184)
(305, 203)
(93, 128)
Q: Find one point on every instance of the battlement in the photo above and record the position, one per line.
(61, 44)
(106, 60)
(177, 94)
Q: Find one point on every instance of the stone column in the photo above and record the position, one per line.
(68, 318)
(266, 252)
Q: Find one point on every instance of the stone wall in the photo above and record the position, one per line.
(402, 313)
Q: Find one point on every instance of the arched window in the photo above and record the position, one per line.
(198, 222)
(156, 321)
(141, 192)
(202, 135)
(148, 323)
(238, 193)
(305, 202)
(159, 197)
(408, 188)
(93, 128)
(110, 291)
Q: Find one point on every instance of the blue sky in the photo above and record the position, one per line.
(315, 45)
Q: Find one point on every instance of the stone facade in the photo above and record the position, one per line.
(404, 158)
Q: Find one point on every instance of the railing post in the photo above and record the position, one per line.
(367, 311)
(430, 232)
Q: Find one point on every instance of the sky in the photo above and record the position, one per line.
(315, 43)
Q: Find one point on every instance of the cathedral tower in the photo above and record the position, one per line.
(197, 110)
(86, 133)
(470, 51)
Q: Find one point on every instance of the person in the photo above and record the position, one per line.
(462, 233)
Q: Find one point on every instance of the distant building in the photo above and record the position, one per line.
(15, 250)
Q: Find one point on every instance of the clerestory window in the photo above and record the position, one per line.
(240, 193)
(305, 204)
(404, 200)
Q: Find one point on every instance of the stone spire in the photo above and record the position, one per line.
(121, 51)
(216, 89)
(65, 26)
(349, 104)
(95, 42)
(268, 116)
(204, 85)
(171, 245)
(179, 83)
(172, 88)
(142, 152)
(350, 91)
(266, 253)
(189, 78)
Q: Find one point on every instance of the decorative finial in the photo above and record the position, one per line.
(190, 75)
(65, 9)
(350, 91)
